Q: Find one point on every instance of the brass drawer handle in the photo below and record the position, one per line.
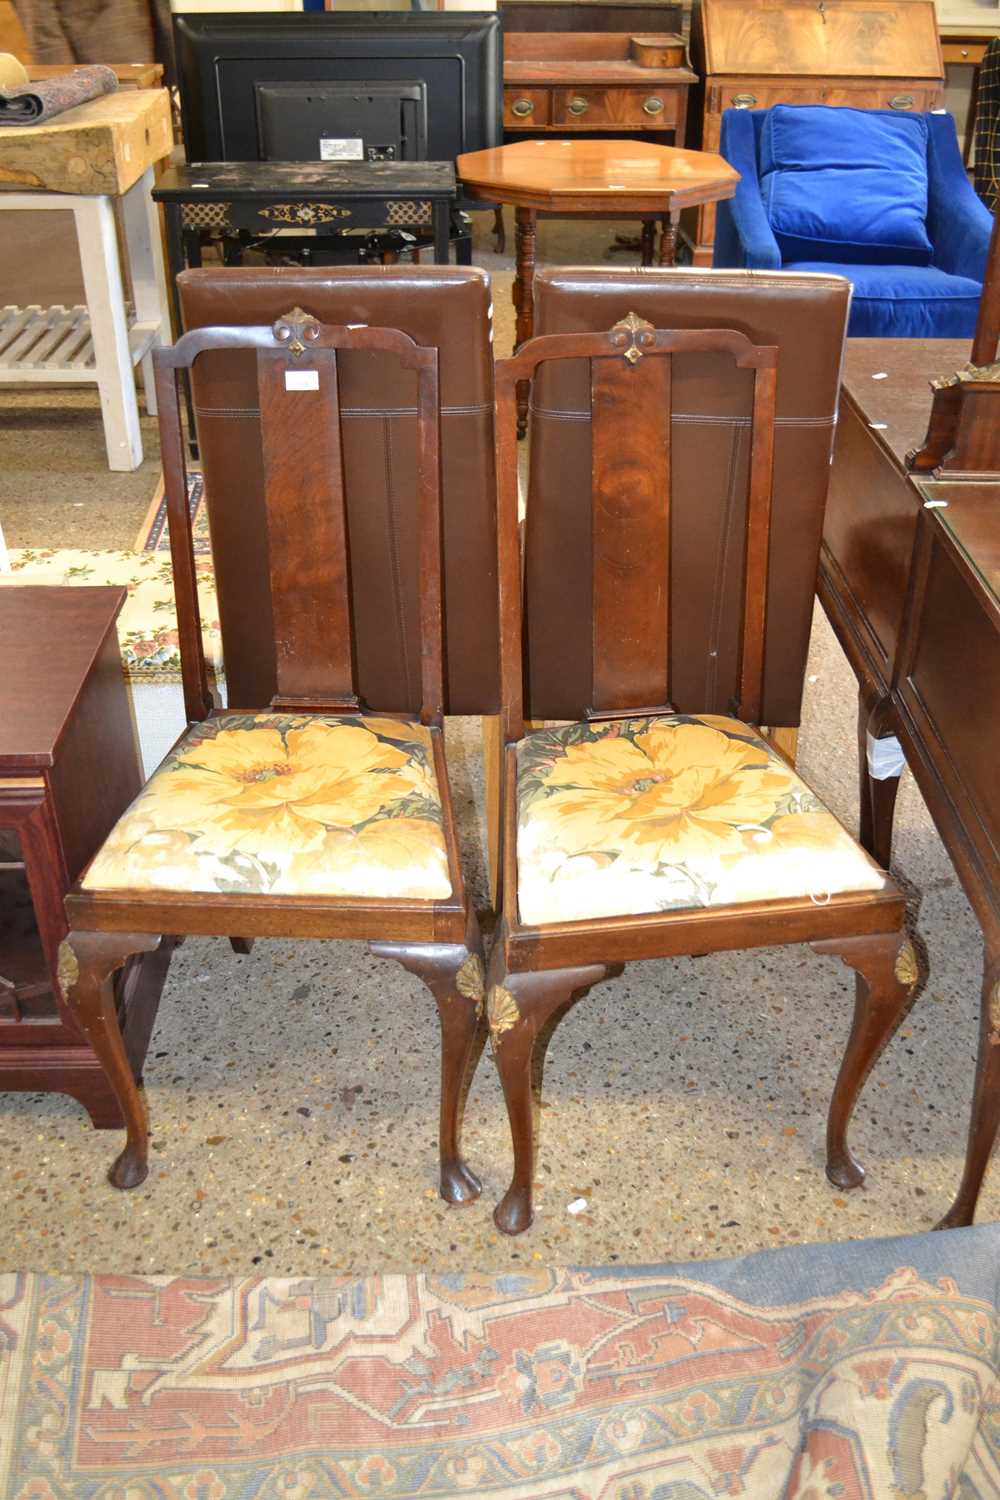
(653, 105)
(578, 105)
(522, 107)
(901, 101)
(743, 101)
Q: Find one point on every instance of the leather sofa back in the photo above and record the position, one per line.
(805, 316)
(446, 306)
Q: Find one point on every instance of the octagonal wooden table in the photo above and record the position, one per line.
(590, 178)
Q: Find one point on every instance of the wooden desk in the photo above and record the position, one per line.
(68, 768)
(595, 81)
(913, 593)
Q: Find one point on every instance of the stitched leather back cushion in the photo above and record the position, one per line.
(446, 306)
(846, 185)
(711, 403)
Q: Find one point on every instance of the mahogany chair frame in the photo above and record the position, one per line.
(438, 941)
(536, 972)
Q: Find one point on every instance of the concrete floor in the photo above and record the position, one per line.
(293, 1092)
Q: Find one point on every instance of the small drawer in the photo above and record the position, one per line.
(526, 109)
(909, 98)
(648, 108)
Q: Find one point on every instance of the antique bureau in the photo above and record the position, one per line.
(751, 54)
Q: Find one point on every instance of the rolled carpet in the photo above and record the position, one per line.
(34, 103)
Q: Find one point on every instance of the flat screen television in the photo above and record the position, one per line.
(366, 121)
(255, 85)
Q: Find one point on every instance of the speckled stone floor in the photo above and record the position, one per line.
(293, 1092)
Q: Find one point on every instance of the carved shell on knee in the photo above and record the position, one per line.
(68, 970)
(907, 970)
(994, 1014)
(470, 981)
(501, 1012)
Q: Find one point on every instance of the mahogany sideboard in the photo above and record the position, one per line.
(755, 53)
(910, 580)
(68, 768)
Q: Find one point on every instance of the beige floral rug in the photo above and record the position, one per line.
(147, 625)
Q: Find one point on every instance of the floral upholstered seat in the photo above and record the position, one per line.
(286, 804)
(657, 814)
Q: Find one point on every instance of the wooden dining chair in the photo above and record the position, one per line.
(640, 829)
(314, 816)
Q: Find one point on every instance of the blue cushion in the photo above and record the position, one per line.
(846, 184)
(904, 302)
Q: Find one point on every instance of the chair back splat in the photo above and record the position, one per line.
(308, 540)
(631, 378)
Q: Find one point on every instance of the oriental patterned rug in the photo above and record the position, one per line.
(848, 1372)
(154, 533)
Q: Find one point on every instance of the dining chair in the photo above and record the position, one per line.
(655, 820)
(449, 307)
(313, 815)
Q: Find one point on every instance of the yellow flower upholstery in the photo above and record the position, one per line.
(660, 814)
(294, 805)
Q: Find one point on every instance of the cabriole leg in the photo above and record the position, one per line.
(455, 975)
(518, 1008)
(886, 969)
(87, 963)
(985, 1122)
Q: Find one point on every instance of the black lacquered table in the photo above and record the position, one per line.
(261, 197)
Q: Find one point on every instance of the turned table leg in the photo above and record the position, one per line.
(668, 238)
(525, 236)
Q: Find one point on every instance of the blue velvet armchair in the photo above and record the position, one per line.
(878, 197)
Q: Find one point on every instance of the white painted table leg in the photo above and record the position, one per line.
(95, 230)
(145, 253)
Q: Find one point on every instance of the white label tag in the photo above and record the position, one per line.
(350, 149)
(301, 380)
(885, 758)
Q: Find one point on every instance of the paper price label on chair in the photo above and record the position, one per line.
(350, 149)
(301, 380)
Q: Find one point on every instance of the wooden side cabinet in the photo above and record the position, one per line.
(68, 767)
(869, 54)
(601, 82)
